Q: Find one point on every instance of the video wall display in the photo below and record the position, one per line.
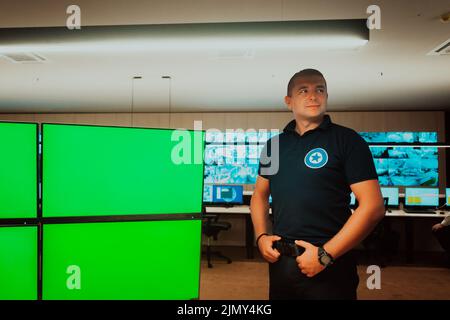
(406, 166)
(18, 263)
(104, 172)
(231, 164)
(228, 162)
(122, 260)
(399, 137)
(18, 170)
(99, 171)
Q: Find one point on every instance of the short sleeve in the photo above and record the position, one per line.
(358, 160)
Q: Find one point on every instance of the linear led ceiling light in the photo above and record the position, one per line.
(324, 34)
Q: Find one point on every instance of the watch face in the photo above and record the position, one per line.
(325, 259)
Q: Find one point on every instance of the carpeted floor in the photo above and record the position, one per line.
(248, 280)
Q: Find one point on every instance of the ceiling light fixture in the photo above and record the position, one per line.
(189, 37)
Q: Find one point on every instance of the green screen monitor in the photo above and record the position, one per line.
(143, 260)
(18, 263)
(104, 171)
(18, 170)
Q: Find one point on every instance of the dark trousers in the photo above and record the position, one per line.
(337, 282)
(443, 236)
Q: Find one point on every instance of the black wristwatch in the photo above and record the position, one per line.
(325, 258)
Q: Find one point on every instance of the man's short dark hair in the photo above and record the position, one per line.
(303, 73)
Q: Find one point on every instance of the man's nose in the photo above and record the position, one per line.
(312, 96)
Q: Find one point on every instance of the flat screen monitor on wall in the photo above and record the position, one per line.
(122, 260)
(231, 164)
(18, 263)
(98, 171)
(406, 166)
(400, 137)
(18, 170)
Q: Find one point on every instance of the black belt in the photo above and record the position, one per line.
(289, 249)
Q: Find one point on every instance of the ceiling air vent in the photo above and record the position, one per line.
(441, 50)
(20, 57)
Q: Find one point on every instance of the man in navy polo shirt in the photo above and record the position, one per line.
(318, 164)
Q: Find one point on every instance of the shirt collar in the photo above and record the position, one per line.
(325, 124)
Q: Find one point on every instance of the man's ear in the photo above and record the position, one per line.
(287, 101)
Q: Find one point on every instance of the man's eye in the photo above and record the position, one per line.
(303, 91)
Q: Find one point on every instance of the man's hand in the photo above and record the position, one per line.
(308, 262)
(436, 227)
(265, 244)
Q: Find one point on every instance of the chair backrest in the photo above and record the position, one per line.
(211, 226)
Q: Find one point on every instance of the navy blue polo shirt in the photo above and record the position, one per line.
(311, 189)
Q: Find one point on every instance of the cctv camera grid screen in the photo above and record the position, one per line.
(122, 260)
(405, 166)
(99, 171)
(233, 159)
(18, 170)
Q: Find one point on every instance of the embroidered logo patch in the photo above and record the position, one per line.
(316, 158)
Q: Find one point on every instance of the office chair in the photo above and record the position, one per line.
(211, 228)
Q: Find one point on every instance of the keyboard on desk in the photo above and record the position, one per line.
(419, 210)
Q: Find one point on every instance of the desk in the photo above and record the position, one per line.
(408, 219)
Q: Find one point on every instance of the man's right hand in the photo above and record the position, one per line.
(265, 244)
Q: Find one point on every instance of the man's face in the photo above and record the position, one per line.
(308, 100)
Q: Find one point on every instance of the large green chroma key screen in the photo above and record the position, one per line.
(18, 263)
(18, 170)
(97, 171)
(122, 260)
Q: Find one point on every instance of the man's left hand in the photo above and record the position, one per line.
(308, 262)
